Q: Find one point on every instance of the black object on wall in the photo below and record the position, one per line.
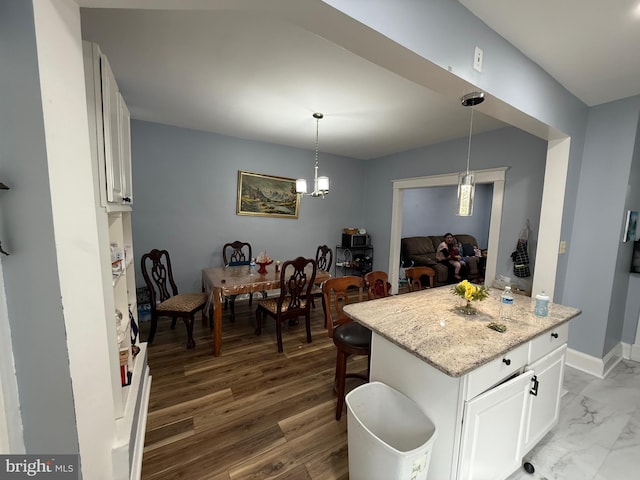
(635, 259)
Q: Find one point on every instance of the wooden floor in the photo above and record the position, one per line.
(252, 413)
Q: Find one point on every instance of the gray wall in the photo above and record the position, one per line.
(445, 33)
(185, 189)
(185, 194)
(431, 211)
(632, 308)
(605, 193)
(524, 154)
(31, 273)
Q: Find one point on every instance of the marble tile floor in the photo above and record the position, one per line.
(598, 434)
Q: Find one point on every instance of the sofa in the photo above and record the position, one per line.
(417, 251)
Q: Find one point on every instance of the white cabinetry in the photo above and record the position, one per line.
(112, 129)
(544, 407)
(490, 418)
(126, 187)
(111, 155)
(493, 429)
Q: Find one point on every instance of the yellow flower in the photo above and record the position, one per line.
(470, 291)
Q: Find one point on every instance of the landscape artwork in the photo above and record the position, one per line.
(266, 195)
(631, 226)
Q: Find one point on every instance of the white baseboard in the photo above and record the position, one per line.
(598, 367)
(632, 352)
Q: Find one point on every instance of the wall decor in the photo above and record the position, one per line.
(267, 195)
(631, 226)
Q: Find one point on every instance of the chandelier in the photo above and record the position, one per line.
(320, 184)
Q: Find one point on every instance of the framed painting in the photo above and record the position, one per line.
(630, 227)
(267, 196)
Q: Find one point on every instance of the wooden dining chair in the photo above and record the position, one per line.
(294, 300)
(417, 277)
(235, 254)
(165, 299)
(349, 337)
(378, 285)
(324, 260)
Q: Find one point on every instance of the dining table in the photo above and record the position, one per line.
(220, 282)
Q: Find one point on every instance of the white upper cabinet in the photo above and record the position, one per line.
(111, 120)
(126, 187)
(113, 131)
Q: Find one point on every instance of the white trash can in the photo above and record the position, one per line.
(389, 437)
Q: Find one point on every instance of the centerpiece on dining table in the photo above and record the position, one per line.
(469, 292)
(263, 260)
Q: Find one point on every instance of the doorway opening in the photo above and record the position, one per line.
(495, 176)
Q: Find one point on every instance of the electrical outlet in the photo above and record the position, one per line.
(563, 247)
(477, 59)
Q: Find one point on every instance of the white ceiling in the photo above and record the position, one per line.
(592, 47)
(255, 75)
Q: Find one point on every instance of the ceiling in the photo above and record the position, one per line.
(589, 46)
(255, 75)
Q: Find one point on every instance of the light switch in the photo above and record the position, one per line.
(563, 247)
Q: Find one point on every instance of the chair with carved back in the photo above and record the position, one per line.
(234, 254)
(349, 337)
(165, 299)
(418, 277)
(378, 285)
(324, 260)
(296, 281)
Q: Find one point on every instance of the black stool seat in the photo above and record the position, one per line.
(349, 337)
(354, 335)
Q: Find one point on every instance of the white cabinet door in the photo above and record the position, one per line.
(125, 151)
(544, 407)
(493, 430)
(111, 119)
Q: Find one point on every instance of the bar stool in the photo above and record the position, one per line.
(350, 338)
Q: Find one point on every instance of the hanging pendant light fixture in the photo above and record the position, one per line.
(466, 180)
(320, 184)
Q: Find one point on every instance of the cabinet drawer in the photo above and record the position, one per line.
(548, 341)
(496, 371)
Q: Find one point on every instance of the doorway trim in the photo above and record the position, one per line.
(496, 176)
(553, 191)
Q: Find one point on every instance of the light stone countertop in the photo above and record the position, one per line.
(427, 324)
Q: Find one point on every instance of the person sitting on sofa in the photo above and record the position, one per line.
(447, 254)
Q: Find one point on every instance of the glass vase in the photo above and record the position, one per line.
(468, 308)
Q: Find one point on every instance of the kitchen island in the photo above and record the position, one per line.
(492, 396)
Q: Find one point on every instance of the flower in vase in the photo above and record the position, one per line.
(469, 291)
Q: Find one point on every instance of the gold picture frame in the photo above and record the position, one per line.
(631, 227)
(266, 196)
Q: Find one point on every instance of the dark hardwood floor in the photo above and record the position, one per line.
(252, 413)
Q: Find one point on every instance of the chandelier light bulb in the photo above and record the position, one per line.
(320, 184)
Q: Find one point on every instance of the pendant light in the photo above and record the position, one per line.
(320, 184)
(466, 180)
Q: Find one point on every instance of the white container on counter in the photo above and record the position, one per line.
(542, 304)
